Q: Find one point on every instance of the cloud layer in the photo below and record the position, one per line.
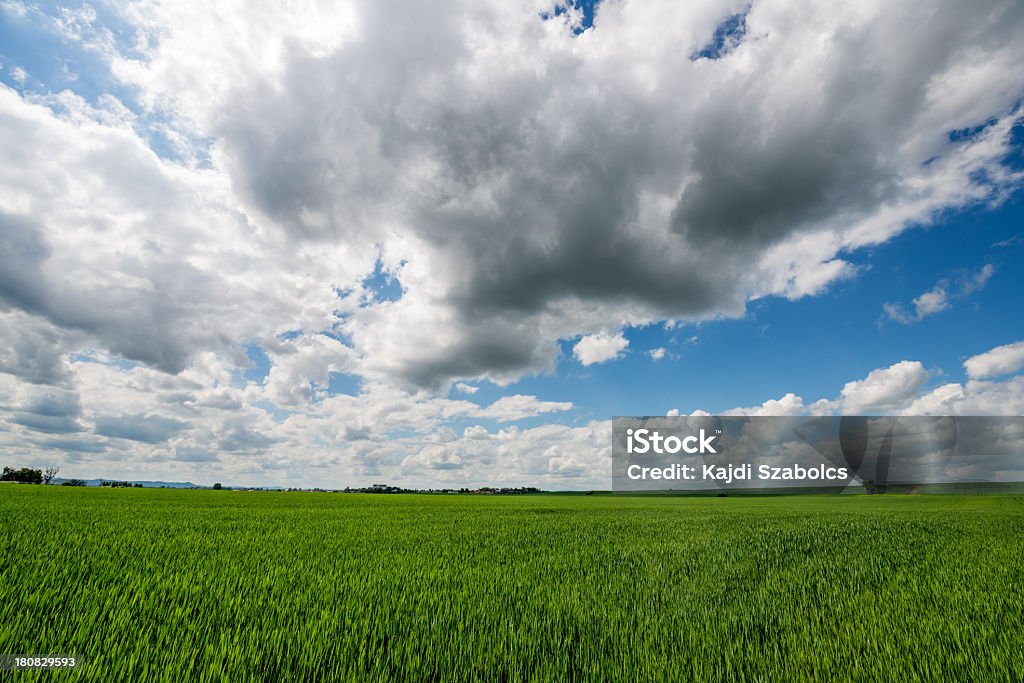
(188, 267)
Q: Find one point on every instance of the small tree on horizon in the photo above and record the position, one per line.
(49, 473)
(217, 486)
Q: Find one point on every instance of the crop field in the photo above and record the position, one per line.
(180, 585)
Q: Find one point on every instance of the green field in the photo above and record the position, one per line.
(183, 585)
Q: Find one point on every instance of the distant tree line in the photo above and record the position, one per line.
(30, 475)
(120, 484)
(485, 490)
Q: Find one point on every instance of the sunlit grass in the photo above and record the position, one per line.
(186, 585)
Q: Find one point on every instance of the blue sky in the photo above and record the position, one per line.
(814, 345)
(341, 242)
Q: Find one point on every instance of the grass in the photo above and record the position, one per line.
(203, 585)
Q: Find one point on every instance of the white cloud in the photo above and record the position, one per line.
(15, 8)
(973, 398)
(476, 432)
(790, 404)
(551, 456)
(657, 354)
(600, 348)
(19, 75)
(1001, 360)
(433, 458)
(897, 390)
(517, 407)
(301, 369)
(894, 311)
(931, 302)
(464, 388)
(944, 400)
(940, 297)
(885, 389)
(970, 285)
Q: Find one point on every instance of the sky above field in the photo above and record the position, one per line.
(442, 244)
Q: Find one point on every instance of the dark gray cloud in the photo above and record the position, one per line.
(51, 412)
(238, 436)
(49, 424)
(23, 250)
(150, 429)
(556, 184)
(193, 454)
(72, 445)
(55, 403)
(494, 347)
(142, 323)
(33, 349)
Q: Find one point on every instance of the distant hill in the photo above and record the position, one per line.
(145, 483)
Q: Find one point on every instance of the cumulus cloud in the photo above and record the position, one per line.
(885, 389)
(1001, 360)
(33, 349)
(600, 348)
(301, 368)
(145, 428)
(51, 411)
(556, 456)
(434, 458)
(972, 398)
(657, 354)
(476, 432)
(900, 390)
(137, 418)
(463, 141)
(790, 404)
(131, 254)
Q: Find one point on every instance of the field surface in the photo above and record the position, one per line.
(171, 585)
